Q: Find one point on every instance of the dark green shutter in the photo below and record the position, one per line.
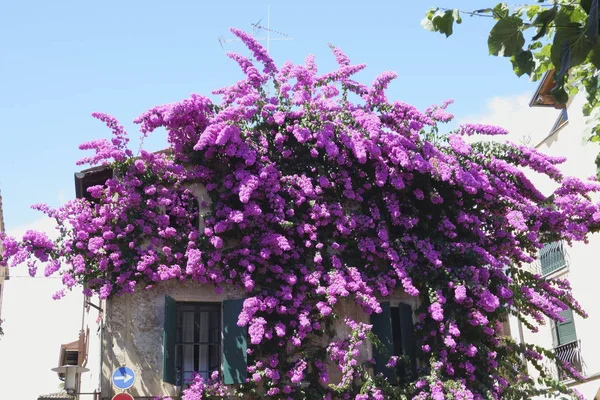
(566, 330)
(169, 333)
(553, 329)
(234, 344)
(382, 328)
(407, 332)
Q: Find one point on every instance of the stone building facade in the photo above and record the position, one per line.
(177, 328)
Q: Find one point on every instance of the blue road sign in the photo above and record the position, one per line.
(123, 378)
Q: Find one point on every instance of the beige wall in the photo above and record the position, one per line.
(584, 269)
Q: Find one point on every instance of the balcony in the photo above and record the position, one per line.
(552, 258)
(569, 353)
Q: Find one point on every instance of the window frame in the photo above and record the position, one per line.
(234, 340)
(394, 327)
(178, 359)
(74, 354)
(561, 121)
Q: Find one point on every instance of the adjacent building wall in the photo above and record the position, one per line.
(3, 270)
(91, 339)
(584, 271)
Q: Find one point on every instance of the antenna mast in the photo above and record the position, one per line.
(258, 27)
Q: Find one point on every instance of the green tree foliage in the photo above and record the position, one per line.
(558, 34)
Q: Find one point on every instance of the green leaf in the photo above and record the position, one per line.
(568, 13)
(532, 11)
(595, 56)
(586, 5)
(573, 90)
(443, 21)
(506, 38)
(560, 95)
(426, 22)
(523, 63)
(591, 84)
(535, 45)
(456, 16)
(572, 33)
(543, 62)
(542, 21)
(500, 11)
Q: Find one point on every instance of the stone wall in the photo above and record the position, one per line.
(134, 330)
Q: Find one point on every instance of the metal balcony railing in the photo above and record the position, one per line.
(552, 257)
(571, 354)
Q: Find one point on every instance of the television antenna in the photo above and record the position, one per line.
(259, 28)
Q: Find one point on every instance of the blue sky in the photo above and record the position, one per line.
(62, 60)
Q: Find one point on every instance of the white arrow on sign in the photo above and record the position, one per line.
(125, 378)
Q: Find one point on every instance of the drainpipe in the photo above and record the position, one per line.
(521, 341)
(101, 351)
(80, 352)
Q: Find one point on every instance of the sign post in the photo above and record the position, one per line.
(123, 378)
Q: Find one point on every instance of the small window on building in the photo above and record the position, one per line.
(552, 258)
(71, 357)
(203, 338)
(198, 345)
(194, 212)
(394, 329)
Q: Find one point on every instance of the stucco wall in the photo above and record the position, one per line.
(90, 381)
(584, 271)
(134, 329)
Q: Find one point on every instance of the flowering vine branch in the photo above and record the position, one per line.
(319, 191)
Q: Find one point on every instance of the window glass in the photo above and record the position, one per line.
(198, 344)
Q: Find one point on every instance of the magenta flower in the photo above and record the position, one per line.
(315, 197)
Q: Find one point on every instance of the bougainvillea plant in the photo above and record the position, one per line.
(322, 189)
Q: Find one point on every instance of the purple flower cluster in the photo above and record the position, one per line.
(312, 199)
(481, 129)
(201, 389)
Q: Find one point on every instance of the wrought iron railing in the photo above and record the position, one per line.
(551, 258)
(569, 353)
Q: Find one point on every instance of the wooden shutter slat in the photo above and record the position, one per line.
(566, 330)
(409, 344)
(234, 344)
(382, 328)
(169, 333)
(554, 330)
